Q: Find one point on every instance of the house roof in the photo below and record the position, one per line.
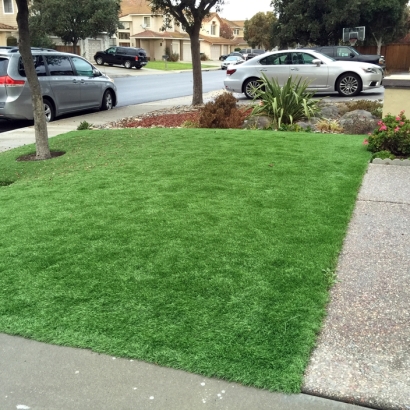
(135, 7)
(163, 34)
(6, 27)
(234, 24)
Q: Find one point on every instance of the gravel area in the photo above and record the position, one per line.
(363, 353)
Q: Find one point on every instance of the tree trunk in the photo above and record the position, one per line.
(40, 124)
(379, 43)
(75, 47)
(197, 98)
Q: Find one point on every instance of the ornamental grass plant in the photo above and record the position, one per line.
(287, 104)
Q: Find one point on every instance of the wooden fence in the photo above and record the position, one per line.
(68, 49)
(397, 55)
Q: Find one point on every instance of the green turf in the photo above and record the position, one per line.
(171, 65)
(204, 250)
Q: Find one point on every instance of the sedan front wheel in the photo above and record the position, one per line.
(349, 85)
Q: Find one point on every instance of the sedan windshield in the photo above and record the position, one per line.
(232, 58)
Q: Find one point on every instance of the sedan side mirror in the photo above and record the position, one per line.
(96, 73)
(317, 62)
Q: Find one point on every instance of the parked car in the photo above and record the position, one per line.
(249, 53)
(68, 83)
(231, 60)
(323, 73)
(254, 52)
(234, 53)
(126, 56)
(347, 53)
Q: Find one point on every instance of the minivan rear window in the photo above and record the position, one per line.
(38, 64)
(4, 63)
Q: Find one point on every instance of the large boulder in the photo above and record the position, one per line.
(358, 122)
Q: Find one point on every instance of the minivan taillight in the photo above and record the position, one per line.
(230, 71)
(136, 58)
(11, 82)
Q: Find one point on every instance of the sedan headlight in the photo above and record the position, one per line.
(369, 69)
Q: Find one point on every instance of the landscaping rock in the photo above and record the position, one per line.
(261, 122)
(358, 122)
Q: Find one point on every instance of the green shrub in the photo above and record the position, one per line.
(287, 104)
(392, 135)
(222, 113)
(383, 155)
(374, 107)
(84, 125)
(204, 57)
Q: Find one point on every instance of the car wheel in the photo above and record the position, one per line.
(49, 110)
(127, 64)
(107, 101)
(99, 61)
(349, 85)
(249, 87)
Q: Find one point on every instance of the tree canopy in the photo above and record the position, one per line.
(321, 22)
(189, 14)
(258, 30)
(73, 20)
(225, 31)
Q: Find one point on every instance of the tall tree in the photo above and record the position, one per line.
(40, 124)
(258, 30)
(313, 21)
(73, 20)
(385, 20)
(225, 31)
(189, 14)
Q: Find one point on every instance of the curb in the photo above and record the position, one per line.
(387, 161)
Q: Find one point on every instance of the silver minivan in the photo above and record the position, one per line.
(68, 83)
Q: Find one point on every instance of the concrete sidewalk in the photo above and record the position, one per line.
(362, 355)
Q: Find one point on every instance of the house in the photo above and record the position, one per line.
(141, 28)
(8, 23)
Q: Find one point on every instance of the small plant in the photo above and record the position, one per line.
(222, 113)
(374, 107)
(294, 128)
(392, 135)
(287, 104)
(383, 155)
(190, 124)
(326, 125)
(204, 57)
(84, 125)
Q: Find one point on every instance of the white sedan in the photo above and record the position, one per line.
(322, 73)
(231, 60)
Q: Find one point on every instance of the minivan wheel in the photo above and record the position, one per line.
(99, 61)
(127, 64)
(107, 101)
(349, 85)
(49, 110)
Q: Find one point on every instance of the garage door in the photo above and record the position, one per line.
(215, 52)
(187, 52)
(93, 47)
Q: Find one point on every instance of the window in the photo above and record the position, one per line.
(343, 52)
(111, 50)
(4, 63)
(236, 31)
(147, 21)
(59, 65)
(38, 64)
(329, 51)
(124, 36)
(8, 6)
(83, 67)
(213, 29)
(276, 59)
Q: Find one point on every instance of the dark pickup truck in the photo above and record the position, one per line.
(346, 53)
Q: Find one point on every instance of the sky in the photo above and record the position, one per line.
(244, 9)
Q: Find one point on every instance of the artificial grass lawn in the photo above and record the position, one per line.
(172, 65)
(204, 250)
